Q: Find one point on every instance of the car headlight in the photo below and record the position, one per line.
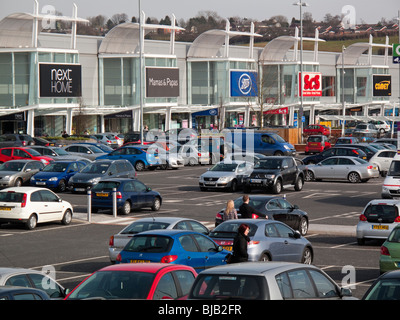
(6, 178)
(286, 147)
(385, 190)
(95, 180)
(270, 176)
(53, 179)
(224, 179)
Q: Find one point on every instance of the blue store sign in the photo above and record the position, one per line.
(244, 84)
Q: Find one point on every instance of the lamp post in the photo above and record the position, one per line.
(141, 71)
(301, 4)
(343, 103)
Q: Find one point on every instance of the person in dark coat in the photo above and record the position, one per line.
(240, 244)
(247, 210)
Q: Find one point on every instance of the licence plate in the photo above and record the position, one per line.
(102, 194)
(5, 208)
(255, 180)
(229, 248)
(379, 227)
(80, 189)
(40, 183)
(210, 183)
(139, 261)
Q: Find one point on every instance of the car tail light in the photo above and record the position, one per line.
(111, 242)
(219, 215)
(24, 143)
(397, 219)
(252, 242)
(23, 203)
(109, 141)
(224, 242)
(355, 151)
(385, 251)
(169, 258)
(369, 167)
(119, 258)
(363, 217)
(119, 195)
(254, 216)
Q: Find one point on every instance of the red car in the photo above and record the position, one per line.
(151, 281)
(317, 144)
(19, 153)
(317, 129)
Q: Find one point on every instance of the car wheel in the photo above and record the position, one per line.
(277, 187)
(139, 166)
(126, 208)
(233, 187)
(62, 186)
(360, 241)
(192, 162)
(298, 186)
(310, 175)
(18, 183)
(303, 226)
(156, 204)
(265, 257)
(354, 177)
(32, 222)
(307, 256)
(278, 153)
(67, 218)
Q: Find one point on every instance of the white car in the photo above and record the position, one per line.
(32, 205)
(382, 126)
(382, 159)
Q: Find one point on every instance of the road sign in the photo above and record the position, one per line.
(396, 59)
(396, 52)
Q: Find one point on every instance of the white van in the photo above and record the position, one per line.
(391, 184)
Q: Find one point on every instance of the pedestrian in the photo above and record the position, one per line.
(247, 210)
(239, 250)
(230, 211)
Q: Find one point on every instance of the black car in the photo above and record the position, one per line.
(22, 293)
(273, 207)
(16, 140)
(368, 149)
(335, 151)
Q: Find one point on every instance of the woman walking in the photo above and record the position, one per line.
(230, 211)
(240, 244)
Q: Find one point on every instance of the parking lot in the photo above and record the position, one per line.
(79, 249)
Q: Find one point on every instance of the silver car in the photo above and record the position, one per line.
(109, 139)
(118, 241)
(266, 281)
(225, 175)
(378, 219)
(32, 279)
(18, 172)
(270, 240)
(58, 153)
(342, 168)
(191, 154)
(86, 151)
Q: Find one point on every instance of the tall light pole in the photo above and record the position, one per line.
(343, 103)
(301, 4)
(141, 71)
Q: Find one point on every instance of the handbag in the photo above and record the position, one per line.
(229, 258)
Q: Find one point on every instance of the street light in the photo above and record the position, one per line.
(301, 4)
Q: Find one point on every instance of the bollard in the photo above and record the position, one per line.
(114, 195)
(89, 204)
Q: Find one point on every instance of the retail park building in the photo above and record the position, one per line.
(54, 82)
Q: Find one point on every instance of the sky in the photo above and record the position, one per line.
(368, 11)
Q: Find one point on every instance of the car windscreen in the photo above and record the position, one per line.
(394, 235)
(149, 243)
(229, 229)
(56, 167)
(224, 167)
(394, 169)
(385, 213)
(232, 286)
(115, 285)
(96, 168)
(11, 196)
(359, 160)
(12, 166)
(60, 152)
(314, 139)
(268, 164)
(141, 226)
(95, 149)
(255, 203)
(106, 186)
(33, 152)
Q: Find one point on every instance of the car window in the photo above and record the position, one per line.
(151, 243)
(301, 284)
(120, 166)
(48, 196)
(46, 284)
(273, 204)
(165, 288)
(285, 204)
(26, 296)
(20, 280)
(345, 161)
(140, 187)
(188, 243)
(72, 149)
(21, 153)
(185, 280)
(82, 149)
(284, 231)
(197, 227)
(325, 288)
(129, 187)
(381, 212)
(36, 197)
(205, 244)
(270, 231)
(73, 167)
(329, 162)
(6, 152)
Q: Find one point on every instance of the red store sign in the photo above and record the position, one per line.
(312, 84)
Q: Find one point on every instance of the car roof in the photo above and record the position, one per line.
(166, 232)
(10, 271)
(394, 274)
(163, 219)
(22, 189)
(384, 201)
(15, 289)
(143, 267)
(263, 197)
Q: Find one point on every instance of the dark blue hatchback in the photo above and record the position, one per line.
(131, 194)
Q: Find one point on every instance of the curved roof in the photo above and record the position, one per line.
(16, 30)
(122, 38)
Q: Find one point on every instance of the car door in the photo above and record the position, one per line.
(144, 197)
(30, 169)
(191, 255)
(19, 154)
(212, 257)
(273, 243)
(292, 248)
(325, 169)
(288, 171)
(343, 167)
(290, 217)
(50, 206)
(72, 169)
(384, 159)
(275, 211)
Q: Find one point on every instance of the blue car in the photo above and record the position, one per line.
(173, 246)
(57, 174)
(139, 156)
(131, 194)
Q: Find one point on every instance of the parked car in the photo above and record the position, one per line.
(225, 175)
(317, 143)
(101, 146)
(382, 159)
(167, 159)
(150, 281)
(21, 293)
(87, 151)
(31, 205)
(335, 151)
(138, 156)
(266, 281)
(118, 241)
(346, 140)
(273, 173)
(392, 141)
(390, 252)
(15, 140)
(58, 153)
(377, 220)
(15, 173)
(22, 153)
(381, 125)
(391, 184)
(317, 129)
(131, 194)
(173, 246)
(90, 175)
(56, 175)
(367, 148)
(191, 154)
(350, 169)
(245, 156)
(275, 208)
(386, 287)
(108, 139)
(382, 146)
(30, 278)
(366, 129)
(270, 240)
